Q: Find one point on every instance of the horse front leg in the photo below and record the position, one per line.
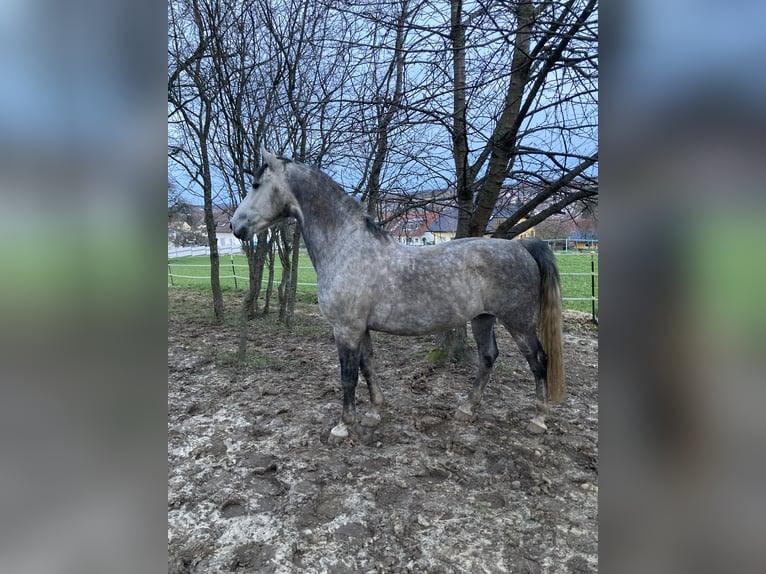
(349, 355)
(372, 417)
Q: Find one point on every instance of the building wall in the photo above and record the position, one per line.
(442, 236)
(227, 240)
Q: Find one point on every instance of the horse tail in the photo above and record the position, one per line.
(550, 320)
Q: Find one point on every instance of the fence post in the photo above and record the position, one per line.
(593, 285)
(233, 270)
(170, 274)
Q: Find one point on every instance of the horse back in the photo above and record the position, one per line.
(415, 290)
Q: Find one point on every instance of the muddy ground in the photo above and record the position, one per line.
(255, 486)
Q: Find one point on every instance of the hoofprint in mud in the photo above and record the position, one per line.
(255, 486)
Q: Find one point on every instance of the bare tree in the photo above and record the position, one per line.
(394, 98)
(547, 39)
(521, 82)
(505, 90)
(243, 106)
(308, 76)
(192, 93)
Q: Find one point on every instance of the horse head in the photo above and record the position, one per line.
(269, 200)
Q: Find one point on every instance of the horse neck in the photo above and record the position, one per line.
(329, 223)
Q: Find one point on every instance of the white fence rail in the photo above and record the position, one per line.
(245, 277)
(175, 252)
(226, 265)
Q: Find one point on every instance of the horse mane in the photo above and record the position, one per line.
(375, 230)
(344, 201)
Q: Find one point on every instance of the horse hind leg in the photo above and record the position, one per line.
(483, 328)
(367, 363)
(532, 349)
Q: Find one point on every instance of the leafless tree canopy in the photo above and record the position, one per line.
(408, 104)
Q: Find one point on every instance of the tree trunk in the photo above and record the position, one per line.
(244, 310)
(293, 285)
(386, 117)
(474, 212)
(503, 140)
(454, 342)
(270, 282)
(255, 262)
(259, 262)
(283, 248)
(215, 280)
(252, 275)
(459, 128)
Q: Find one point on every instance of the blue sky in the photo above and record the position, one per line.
(437, 143)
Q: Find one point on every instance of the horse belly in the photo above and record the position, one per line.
(420, 317)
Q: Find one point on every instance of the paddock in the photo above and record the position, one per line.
(255, 485)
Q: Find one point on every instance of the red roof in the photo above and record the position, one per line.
(411, 224)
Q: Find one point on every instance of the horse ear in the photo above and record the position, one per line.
(271, 160)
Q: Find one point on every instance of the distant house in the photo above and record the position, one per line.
(440, 225)
(501, 215)
(413, 228)
(582, 239)
(227, 243)
(565, 232)
(437, 222)
(182, 234)
(444, 227)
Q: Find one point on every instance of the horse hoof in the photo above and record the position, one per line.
(537, 426)
(371, 419)
(464, 414)
(339, 433)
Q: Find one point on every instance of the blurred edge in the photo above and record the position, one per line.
(82, 141)
(82, 303)
(683, 316)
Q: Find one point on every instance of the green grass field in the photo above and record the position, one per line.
(577, 286)
(194, 273)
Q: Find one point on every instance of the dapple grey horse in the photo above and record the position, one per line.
(367, 281)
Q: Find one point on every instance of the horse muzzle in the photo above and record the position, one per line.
(241, 232)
